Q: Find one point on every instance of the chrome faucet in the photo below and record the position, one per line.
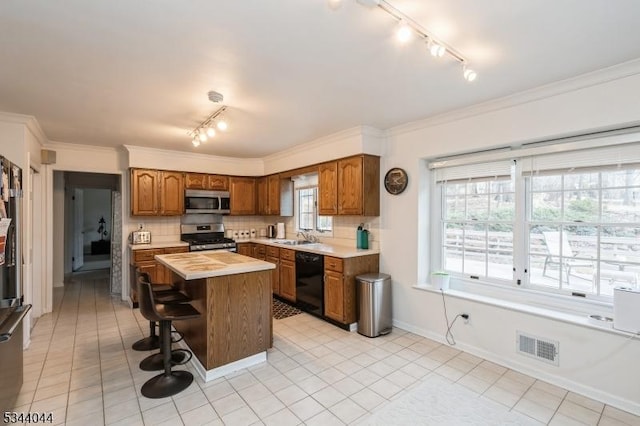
(308, 236)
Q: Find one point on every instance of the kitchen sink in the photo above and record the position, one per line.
(294, 242)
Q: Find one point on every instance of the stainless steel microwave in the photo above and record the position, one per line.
(200, 201)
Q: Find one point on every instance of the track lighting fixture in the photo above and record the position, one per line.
(409, 28)
(207, 129)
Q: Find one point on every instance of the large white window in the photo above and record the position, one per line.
(566, 222)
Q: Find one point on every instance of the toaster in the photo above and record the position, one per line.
(141, 237)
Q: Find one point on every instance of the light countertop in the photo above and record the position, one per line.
(207, 264)
(158, 245)
(317, 248)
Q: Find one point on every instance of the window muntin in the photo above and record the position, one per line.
(583, 230)
(307, 213)
(490, 226)
(477, 227)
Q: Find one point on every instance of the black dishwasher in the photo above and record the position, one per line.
(309, 282)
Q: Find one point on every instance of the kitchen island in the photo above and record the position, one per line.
(233, 294)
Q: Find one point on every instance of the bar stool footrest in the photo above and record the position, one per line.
(155, 362)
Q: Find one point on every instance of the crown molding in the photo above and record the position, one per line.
(325, 140)
(29, 121)
(594, 78)
(53, 145)
(188, 155)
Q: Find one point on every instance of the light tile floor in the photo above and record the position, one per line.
(80, 367)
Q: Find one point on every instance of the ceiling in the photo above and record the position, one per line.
(137, 72)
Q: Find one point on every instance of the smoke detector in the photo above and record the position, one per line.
(215, 96)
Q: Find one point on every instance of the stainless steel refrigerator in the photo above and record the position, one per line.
(12, 308)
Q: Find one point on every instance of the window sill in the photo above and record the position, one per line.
(528, 307)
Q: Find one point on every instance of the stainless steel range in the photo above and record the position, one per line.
(208, 236)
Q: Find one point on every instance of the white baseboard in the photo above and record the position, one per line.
(514, 364)
(215, 373)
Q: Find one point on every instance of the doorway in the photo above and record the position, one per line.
(89, 224)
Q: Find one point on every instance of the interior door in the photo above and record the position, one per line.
(78, 233)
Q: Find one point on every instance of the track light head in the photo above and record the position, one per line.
(211, 132)
(222, 125)
(437, 49)
(404, 32)
(469, 74)
(195, 142)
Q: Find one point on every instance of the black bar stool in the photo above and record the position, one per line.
(164, 293)
(155, 361)
(170, 382)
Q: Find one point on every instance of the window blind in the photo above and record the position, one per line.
(492, 170)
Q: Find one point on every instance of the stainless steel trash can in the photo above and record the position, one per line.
(374, 304)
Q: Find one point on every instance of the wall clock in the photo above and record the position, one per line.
(395, 181)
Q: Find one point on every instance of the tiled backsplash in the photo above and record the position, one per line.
(344, 228)
(163, 229)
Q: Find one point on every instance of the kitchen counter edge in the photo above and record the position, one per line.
(317, 248)
(158, 245)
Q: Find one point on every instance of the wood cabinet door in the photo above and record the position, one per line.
(171, 193)
(218, 182)
(328, 188)
(262, 195)
(350, 186)
(144, 192)
(195, 181)
(288, 280)
(156, 274)
(260, 251)
(334, 295)
(275, 274)
(245, 249)
(273, 198)
(243, 195)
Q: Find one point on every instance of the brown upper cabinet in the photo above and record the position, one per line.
(206, 181)
(156, 193)
(328, 188)
(275, 196)
(350, 186)
(218, 182)
(262, 189)
(242, 195)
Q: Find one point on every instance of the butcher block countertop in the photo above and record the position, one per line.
(207, 264)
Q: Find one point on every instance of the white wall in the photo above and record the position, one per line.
(592, 362)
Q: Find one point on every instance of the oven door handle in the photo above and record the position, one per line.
(13, 322)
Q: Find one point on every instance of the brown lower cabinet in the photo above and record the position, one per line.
(288, 274)
(340, 302)
(144, 259)
(273, 256)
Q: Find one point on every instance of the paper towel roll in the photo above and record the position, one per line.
(280, 230)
